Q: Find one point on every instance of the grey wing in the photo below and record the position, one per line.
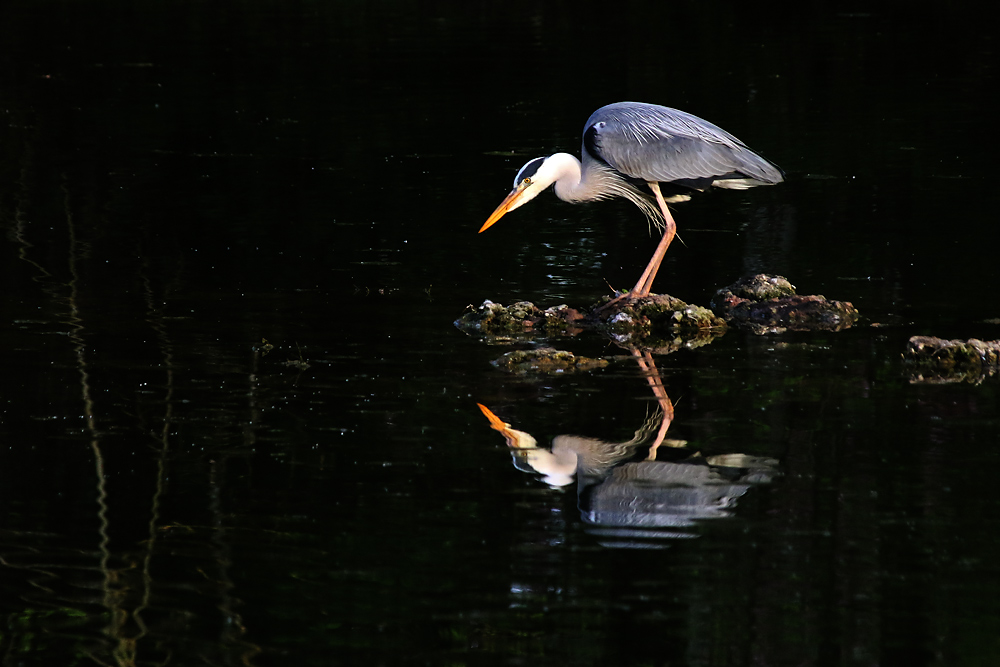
(657, 143)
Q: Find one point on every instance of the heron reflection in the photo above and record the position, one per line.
(645, 487)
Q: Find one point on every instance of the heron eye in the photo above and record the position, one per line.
(527, 181)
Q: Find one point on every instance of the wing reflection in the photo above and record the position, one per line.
(627, 493)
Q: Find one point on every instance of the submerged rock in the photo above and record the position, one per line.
(769, 304)
(940, 360)
(546, 360)
(495, 318)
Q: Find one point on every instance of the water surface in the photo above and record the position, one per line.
(237, 425)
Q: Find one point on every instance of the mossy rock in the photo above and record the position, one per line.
(546, 360)
(656, 314)
(765, 303)
(760, 287)
(523, 316)
(940, 360)
(659, 322)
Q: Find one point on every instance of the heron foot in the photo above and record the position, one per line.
(617, 303)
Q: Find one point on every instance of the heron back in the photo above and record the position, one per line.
(656, 143)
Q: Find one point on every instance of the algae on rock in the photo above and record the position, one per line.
(769, 304)
(546, 360)
(657, 318)
(937, 360)
(497, 319)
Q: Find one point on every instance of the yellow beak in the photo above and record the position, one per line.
(504, 206)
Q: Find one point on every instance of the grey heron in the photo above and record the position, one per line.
(630, 144)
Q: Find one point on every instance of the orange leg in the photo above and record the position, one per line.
(645, 284)
(645, 360)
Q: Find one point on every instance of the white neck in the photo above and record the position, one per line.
(578, 183)
(575, 184)
(567, 173)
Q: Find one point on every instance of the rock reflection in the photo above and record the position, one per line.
(644, 489)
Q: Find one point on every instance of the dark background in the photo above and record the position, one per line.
(181, 181)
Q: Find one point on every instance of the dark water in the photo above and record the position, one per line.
(181, 182)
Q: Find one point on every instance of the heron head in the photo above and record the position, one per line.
(532, 178)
